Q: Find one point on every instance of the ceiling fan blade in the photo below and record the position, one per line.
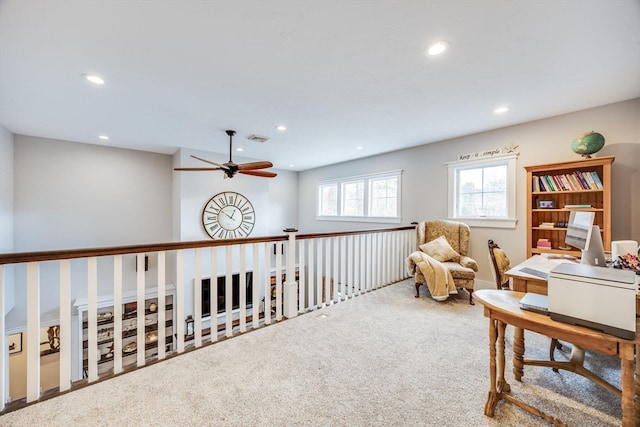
(197, 169)
(264, 174)
(208, 161)
(254, 165)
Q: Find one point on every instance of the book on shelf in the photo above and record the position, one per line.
(543, 243)
(550, 182)
(596, 179)
(575, 181)
(585, 206)
(589, 178)
(547, 225)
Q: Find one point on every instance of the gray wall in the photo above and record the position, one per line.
(6, 208)
(424, 182)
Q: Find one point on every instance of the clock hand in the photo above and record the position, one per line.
(230, 216)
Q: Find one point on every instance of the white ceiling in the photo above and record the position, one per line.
(338, 74)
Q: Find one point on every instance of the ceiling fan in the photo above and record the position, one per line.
(230, 168)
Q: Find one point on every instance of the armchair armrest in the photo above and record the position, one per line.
(468, 262)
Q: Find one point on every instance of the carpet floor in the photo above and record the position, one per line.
(383, 358)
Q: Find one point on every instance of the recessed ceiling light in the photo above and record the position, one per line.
(239, 149)
(94, 79)
(437, 48)
(359, 147)
(104, 137)
(291, 165)
(501, 110)
(281, 128)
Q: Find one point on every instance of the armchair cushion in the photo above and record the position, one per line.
(440, 249)
(469, 262)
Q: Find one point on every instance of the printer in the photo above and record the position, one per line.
(596, 297)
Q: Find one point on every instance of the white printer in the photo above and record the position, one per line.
(595, 297)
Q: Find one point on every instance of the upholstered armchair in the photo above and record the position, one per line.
(461, 266)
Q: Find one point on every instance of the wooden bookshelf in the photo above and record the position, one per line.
(547, 202)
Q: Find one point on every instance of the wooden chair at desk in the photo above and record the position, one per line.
(501, 264)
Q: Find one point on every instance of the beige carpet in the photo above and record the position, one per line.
(381, 359)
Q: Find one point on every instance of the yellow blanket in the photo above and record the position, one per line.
(437, 275)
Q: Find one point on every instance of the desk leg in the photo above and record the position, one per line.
(518, 353)
(636, 387)
(629, 416)
(503, 386)
(493, 398)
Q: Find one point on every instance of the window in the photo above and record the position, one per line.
(482, 192)
(370, 198)
(329, 200)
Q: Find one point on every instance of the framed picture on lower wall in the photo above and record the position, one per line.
(15, 343)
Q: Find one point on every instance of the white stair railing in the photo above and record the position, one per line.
(307, 272)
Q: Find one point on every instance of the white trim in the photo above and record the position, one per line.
(510, 220)
(383, 219)
(488, 222)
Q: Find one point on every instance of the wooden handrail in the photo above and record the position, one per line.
(39, 256)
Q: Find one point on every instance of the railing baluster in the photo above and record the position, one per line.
(326, 280)
(213, 294)
(311, 275)
(243, 289)
(197, 290)
(336, 269)
(318, 292)
(179, 302)
(117, 314)
(161, 307)
(228, 293)
(267, 285)
(255, 315)
(64, 375)
(140, 312)
(278, 248)
(302, 279)
(92, 318)
(33, 331)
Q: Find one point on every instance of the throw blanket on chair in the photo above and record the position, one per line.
(437, 275)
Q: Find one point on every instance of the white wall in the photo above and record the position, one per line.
(424, 182)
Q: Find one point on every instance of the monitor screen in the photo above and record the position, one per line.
(579, 229)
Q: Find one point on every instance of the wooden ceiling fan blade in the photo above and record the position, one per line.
(197, 169)
(264, 174)
(209, 161)
(254, 166)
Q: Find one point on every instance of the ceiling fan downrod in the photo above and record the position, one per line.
(230, 133)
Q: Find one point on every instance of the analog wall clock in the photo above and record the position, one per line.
(228, 215)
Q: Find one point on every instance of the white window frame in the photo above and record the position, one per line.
(365, 217)
(510, 221)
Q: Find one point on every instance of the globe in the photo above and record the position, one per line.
(587, 143)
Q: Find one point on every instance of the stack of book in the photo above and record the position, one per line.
(544, 244)
(547, 225)
(576, 181)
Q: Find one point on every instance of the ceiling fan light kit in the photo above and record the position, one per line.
(230, 168)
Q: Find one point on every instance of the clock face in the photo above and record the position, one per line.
(228, 215)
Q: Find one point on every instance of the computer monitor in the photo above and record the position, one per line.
(594, 253)
(582, 234)
(579, 229)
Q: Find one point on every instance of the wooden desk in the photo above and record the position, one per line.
(523, 282)
(502, 308)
